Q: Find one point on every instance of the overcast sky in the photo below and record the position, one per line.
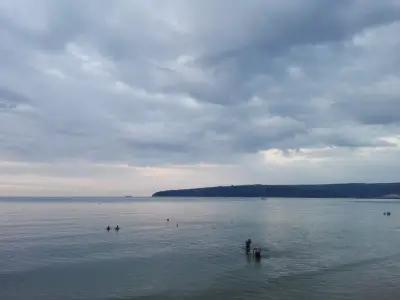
(131, 97)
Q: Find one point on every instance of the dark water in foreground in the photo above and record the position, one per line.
(316, 249)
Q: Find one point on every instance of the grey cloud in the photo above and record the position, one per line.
(12, 96)
(10, 100)
(373, 109)
(152, 83)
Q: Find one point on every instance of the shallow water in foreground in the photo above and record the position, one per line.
(314, 249)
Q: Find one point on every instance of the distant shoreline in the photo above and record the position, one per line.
(341, 190)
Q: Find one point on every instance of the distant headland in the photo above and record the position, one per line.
(342, 190)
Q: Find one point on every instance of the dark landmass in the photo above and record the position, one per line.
(345, 190)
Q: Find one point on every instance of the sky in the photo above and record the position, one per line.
(131, 97)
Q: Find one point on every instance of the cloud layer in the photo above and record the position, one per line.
(222, 91)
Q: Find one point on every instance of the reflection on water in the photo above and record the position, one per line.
(311, 249)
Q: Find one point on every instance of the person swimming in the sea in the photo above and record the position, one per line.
(117, 228)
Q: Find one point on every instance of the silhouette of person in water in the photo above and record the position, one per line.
(108, 228)
(117, 228)
(257, 253)
(248, 245)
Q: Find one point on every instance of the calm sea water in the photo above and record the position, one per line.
(313, 249)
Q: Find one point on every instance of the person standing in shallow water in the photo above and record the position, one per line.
(248, 245)
(257, 253)
(117, 228)
(108, 228)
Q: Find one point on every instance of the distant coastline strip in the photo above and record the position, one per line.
(342, 190)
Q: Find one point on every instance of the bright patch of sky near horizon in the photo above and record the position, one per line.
(131, 97)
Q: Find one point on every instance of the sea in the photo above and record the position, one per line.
(59, 248)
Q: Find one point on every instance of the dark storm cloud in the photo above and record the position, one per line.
(151, 82)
